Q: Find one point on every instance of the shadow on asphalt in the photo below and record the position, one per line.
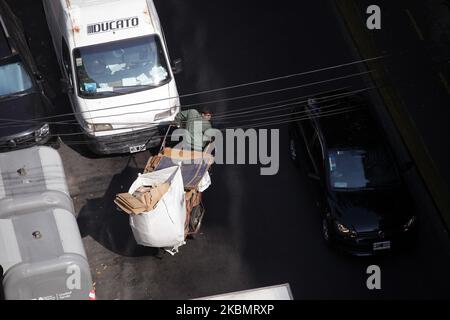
(101, 219)
(2, 295)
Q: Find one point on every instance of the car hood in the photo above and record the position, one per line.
(368, 211)
(20, 109)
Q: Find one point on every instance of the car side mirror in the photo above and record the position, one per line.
(48, 91)
(177, 66)
(38, 76)
(66, 86)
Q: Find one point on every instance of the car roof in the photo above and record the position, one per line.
(6, 48)
(89, 3)
(85, 13)
(348, 128)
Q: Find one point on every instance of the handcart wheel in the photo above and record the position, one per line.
(195, 222)
(160, 253)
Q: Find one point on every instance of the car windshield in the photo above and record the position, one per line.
(361, 169)
(14, 79)
(121, 67)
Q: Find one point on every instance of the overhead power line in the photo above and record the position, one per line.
(44, 119)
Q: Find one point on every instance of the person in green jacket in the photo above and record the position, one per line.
(197, 124)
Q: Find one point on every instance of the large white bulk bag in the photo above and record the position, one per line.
(164, 226)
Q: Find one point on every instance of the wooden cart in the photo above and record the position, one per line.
(195, 166)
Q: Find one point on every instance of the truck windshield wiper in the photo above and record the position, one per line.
(126, 90)
(93, 95)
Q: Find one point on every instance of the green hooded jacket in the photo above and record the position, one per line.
(193, 122)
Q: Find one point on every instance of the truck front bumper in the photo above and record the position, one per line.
(123, 143)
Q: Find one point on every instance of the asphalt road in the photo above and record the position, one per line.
(424, 26)
(258, 231)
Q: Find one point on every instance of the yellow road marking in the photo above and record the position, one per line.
(415, 25)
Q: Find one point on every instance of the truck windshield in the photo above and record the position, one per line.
(121, 67)
(14, 79)
(360, 169)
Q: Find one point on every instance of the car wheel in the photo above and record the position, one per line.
(325, 230)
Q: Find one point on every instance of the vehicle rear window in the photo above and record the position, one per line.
(361, 169)
(14, 79)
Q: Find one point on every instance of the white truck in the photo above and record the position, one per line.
(116, 71)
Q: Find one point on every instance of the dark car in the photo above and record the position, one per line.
(22, 98)
(366, 206)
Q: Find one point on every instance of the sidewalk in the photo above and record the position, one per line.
(413, 79)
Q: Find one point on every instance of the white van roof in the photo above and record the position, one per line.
(100, 21)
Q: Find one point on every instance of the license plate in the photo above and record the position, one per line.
(136, 149)
(379, 246)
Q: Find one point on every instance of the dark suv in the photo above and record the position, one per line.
(22, 98)
(366, 206)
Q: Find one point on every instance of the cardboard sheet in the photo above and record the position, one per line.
(194, 165)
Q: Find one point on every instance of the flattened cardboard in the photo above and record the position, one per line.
(139, 203)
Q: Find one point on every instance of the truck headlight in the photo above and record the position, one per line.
(166, 114)
(42, 132)
(102, 127)
(98, 127)
(410, 224)
(345, 230)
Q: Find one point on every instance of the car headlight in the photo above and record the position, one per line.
(42, 132)
(410, 224)
(166, 114)
(345, 230)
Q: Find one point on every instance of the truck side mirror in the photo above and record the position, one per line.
(66, 86)
(177, 66)
(45, 87)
